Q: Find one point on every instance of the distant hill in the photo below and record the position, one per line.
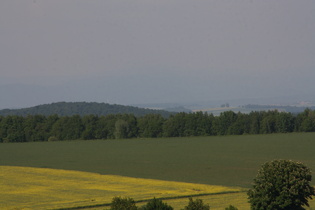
(292, 109)
(81, 108)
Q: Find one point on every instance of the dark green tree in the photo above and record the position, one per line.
(35, 129)
(89, 124)
(284, 122)
(74, 127)
(306, 121)
(101, 130)
(132, 125)
(12, 129)
(156, 204)
(174, 126)
(106, 126)
(240, 126)
(196, 205)
(121, 129)
(68, 128)
(281, 185)
(225, 121)
(151, 125)
(254, 121)
(119, 203)
(268, 124)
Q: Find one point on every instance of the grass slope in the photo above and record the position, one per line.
(34, 188)
(226, 160)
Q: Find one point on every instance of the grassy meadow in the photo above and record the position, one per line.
(230, 161)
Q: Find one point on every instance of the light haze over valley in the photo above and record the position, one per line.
(152, 52)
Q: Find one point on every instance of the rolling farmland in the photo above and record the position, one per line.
(35, 188)
(230, 161)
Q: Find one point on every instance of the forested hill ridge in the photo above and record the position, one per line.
(82, 109)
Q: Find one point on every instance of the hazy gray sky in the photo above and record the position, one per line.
(143, 51)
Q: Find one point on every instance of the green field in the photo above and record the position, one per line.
(225, 160)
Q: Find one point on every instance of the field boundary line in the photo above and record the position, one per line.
(162, 198)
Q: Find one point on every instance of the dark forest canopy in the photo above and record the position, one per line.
(115, 126)
(81, 108)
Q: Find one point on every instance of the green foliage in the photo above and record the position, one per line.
(268, 125)
(117, 126)
(231, 208)
(225, 121)
(151, 125)
(306, 121)
(156, 204)
(52, 138)
(188, 124)
(121, 129)
(119, 203)
(196, 205)
(281, 184)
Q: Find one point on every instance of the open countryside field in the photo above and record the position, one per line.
(230, 161)
(218, 160)
(35, 188)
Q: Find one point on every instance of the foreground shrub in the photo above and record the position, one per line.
(156, 204)
(281, 184)
(196, 205)
(119, 203)
(231, 208)
(52, 138)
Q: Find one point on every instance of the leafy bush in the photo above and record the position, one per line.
(231, 208)
(156, 204)
(281, 184)
(52, 138)
(119, 203)
(196, 205)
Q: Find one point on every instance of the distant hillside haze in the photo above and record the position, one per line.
(81, 108)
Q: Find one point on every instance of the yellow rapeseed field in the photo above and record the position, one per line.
(38, 188)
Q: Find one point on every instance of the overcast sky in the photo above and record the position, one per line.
(152, 51)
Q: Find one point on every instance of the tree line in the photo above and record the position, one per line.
(14, 128)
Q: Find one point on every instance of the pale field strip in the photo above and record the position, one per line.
(40, 188)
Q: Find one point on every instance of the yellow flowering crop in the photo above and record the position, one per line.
(38, 188)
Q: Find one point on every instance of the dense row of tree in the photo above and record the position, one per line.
(54, 127)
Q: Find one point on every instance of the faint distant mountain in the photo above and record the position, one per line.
(177, 109)
(292, 109)
(170, 107)
(81, 108)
